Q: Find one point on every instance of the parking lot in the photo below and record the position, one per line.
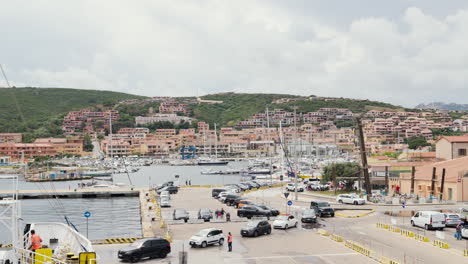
(301, 244)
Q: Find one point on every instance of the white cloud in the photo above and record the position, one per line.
(188, 47)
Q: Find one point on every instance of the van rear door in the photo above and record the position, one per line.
(438, 220)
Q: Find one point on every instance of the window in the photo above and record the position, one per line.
(461, 152)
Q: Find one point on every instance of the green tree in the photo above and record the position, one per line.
(88, 144)
(343, 169)
(416, 142)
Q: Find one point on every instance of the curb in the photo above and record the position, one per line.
(355, 216)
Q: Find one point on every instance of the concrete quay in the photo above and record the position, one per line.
(73, 193)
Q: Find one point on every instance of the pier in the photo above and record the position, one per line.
(73, 193)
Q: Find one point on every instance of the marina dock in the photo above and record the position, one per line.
(73, 193)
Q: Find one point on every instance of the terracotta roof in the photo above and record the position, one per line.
(453, 169)
(422, 155)
(455, 139)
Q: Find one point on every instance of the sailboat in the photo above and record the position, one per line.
(212, 161)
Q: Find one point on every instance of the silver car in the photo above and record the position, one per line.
(452, 219)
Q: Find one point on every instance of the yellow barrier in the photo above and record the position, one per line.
(120, 240)
(358, 248)
(337, 238)
(87, 258)
(323, 232)
(382, 225)
(168, 237)
(43, 255)
(385, 260)
(7, 245)
(440, 244)
(394, 229)
(421, 238)
(407, 233)
(465, 253)
(162, 224)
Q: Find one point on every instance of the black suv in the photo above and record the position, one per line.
(216, 191)
(255, 228)
(232, 198)
(249, 211)
(323, 208)
(145, 248)
(273, 211)
(205, 214)
(170, 189)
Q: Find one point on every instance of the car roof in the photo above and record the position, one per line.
(211, 229)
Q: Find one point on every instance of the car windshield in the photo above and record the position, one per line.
(180, 212)
(137, 244)
(453, 216)
(309, 213)
(323, 204)
(252, 224)
(282, 217)
(205, 211)
(164, 199)
(202, 233)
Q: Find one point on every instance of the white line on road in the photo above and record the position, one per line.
(297, 256)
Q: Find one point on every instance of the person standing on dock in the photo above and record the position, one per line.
(230, 242)
(190, 182)
(36, 241)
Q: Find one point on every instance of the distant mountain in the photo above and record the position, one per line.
(444, 106)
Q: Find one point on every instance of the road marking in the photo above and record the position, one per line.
(297, 256)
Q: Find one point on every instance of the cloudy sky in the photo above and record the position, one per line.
(400, 51)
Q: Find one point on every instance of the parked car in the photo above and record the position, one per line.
(165, 194)
(350, 199)
(169, 183)
(292, 187)
(222, 196)
(244, 203)
(207, 237)
(465, 231)
(323, 208)
(216, 191)
(256, 185)
(452, 219)
(285, 221)
(429, 220)
(180, 214)
(243, 187)
(232, 198)
(309, 216)
(273, 211)
(256, 228)
(170, 189)
(250, 185)
(205, 214)
(145, 248)
(164, 202)
(250, 211)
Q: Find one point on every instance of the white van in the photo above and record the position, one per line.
(429, 220)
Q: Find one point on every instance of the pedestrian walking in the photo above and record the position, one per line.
(222, 212)
(230, 242)
(459, 231)
(216, 213)
(190, 182)
(228, 217)
(186, 182)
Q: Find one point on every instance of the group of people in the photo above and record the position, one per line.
(220, 214)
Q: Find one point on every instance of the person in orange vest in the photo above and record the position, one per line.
(36, 241)
(230, 242)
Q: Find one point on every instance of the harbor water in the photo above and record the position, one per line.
(115, 217)
(110, 217)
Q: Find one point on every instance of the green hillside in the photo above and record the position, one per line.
(43, 108)
(236, 107)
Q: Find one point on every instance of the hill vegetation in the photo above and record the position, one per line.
(41, 109)
(237, 107)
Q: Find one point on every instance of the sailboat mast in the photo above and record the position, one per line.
(216, 142)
